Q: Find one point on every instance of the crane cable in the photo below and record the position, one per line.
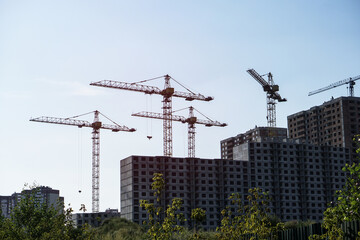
(80, 115)
(150, 79)
(179, 110)
(100, 114)
(148, 121)
(183, 86)
(110, 120)
(80, 152)
(147, 80)
(195, 110)
(150, 118)
(204, 115)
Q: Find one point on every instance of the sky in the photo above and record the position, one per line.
(50, 51)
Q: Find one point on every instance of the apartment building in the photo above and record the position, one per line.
(334, 123)
(301, 179)
(254, 134)
(43, 193)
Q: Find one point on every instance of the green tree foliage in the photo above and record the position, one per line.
(252, 219)
(198, 215)
(297, 224)
(200, 234)
(2, 225)
(123, 229)
(162, 223)
(33, 219)
(119, 229)
(346, 207)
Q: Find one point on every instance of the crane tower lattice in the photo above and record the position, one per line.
(96, 125)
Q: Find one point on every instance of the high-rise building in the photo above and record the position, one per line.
(5, 205)
(252, 135)
(334, 123)
(44, 194)
(301, 179)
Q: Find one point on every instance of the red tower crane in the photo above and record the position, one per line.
(168, 92)
(271, 95)
(96, 125)
(191, 121)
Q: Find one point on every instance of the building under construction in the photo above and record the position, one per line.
(334, 123)
(301, 179)
(229, 146)
(93, 219)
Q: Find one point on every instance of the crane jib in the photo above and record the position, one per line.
(350, 81)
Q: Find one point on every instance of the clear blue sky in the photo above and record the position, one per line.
(51, 50)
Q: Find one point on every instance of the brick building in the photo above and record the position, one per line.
(300, 177)
(94, 219)
(254, 134)
(334, 123)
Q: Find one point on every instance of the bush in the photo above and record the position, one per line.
(119, 228)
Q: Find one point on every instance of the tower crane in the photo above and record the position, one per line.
(350, 81)
(96, 125)
(271, 95)
(191, 121)
(168, 92)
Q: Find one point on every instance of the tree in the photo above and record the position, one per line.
(119, 228)
(253, 219)
(34, 219)
(198, 215)
(162, 224)
(2, 225)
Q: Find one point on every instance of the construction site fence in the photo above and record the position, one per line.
(350, 230)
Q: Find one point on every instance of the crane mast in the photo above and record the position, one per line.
(191, 133)
(271, 95)
(167, 112)
(271, 104)
(96, 162)
(191, 121)
(96, 125)
(168, 92)
(350, 81)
